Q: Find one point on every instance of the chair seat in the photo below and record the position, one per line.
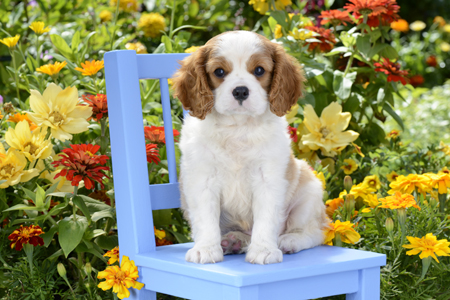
(335, 264)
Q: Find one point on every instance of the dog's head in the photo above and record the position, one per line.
(238, 72)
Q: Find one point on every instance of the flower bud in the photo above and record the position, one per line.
(401, 216)
(88, 268)
(8, 108)
(348, 183)
(389, 225)
(61, 270)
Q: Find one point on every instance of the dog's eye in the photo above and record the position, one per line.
(219, 73)
(259, 71)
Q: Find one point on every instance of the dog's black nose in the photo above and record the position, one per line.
(240, 93)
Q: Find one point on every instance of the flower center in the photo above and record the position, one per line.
(89, 153)
(121, 275)
(365, 11)
(324, 131)
(56, 118)
(7, 169)
(32, 148)
(372, 182)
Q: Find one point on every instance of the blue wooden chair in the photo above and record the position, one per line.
(318, 272)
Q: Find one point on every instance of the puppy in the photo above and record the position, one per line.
(242, 190)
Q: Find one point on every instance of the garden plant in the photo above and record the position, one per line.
(373, 123)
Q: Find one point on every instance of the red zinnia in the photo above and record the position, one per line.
(416, 80)
(26, 235)
(156, 134)
(99, 105)
(393, 71)
(326, 37)
(431, 61)
(335, 17)
(152, 153)
(81, 163)
(386, 10)
(293, 133)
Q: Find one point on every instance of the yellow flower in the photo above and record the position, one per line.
(52, 69)
(327, 132)
(399, 200)
(38, 27)
(417, 26)
(392, 176)
(445, 170)
(106, 15)
(120, 279)
(332, 205)
(321, 177)
(400, 25)
(191, 49)
(447, 28)
(32, 145)
(10, 41)
(126, 5)
(113, 255)
(138, 47)
(290, 116)
(350, 166)
(358, 150)
(441, 180)
(440, 20)
(371, 201)
(373, 182)
(407, 184)
(12, 168)
(361, 190)
(301, 34)
(152, 24)
(58, 109)
(160, 234)
(346, 231)
(278, 32)
(393, 134)
(16, 118)
(445, 46)
(91, 67)
(281, 4)
(261, 6)
(428, 245)
(444, 148)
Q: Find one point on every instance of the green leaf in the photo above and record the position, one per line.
(78, 201)
(102, 214)
(280, 17)
(342, 86)
(376, 49)
(328, 3)
(394, 115)
(55, 255)
(162, 217)
(352, 103)
(30, 194)
(389, 52)
(363, 45)
(258, 24)
(167, 43)
(193, 9)
(62, 46)
(75, 42)
(48, 236)
(107, 241)
(51, 189)
(56, 209)
(71, 232)
(313, 68)
(180, 237)
(83, 247)
(60, 194)
(22, 207)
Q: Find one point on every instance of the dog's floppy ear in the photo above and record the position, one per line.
(287, 81)
(191, 85)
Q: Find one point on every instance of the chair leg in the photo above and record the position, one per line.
(242, 293)
(368, 286)
(143, 294)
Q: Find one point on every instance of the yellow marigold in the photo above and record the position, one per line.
(440, 20)
(59, 110)
(126, 5)
(32, 144)
(106, 15)
(120, 279)
(417, 26)
(52, 69)
(113, 255)
(138, 47)
(321, 177)
(373, 182)
(301, 34)
(346, 231)
(393, 134)
(444, 148)
(428, 245)
(38, 27)
(371, 201)
(16, 118)
(399, 200)
(445, 170)
(440, 180)
(160, 234)
(332, 205)
(152, 24)
(360, 190)
(278, 32)
(447, 28)
(10, 41)
(262, 6)
(327, 132)
(91, 67)
(350, 166)
(12, 168)
(400, 25)
(392, 176)
(191, 49)
(407, 184)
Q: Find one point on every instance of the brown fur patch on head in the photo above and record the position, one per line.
(287, 79)
(264, 60)
(214, 63)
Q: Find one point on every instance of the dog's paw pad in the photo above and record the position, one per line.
(233, 243)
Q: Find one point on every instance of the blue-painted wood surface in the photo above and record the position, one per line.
(318, 272)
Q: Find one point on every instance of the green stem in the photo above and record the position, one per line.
(15, 74)
(75, 193)
(442, 200)
(172, 16)
(349, 64)
(115, 22)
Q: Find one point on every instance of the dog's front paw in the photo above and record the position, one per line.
(205, 254)
(259, 254)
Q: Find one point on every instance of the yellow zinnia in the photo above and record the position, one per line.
(417, 26)
(191, 49)
(52, 69)
(120, 278)
(91, 67)
(152, 24)
(113, 255)
(32, 144)
(350, 166)
(428, 245)
(407, 184)
(346, 231)
(105, 16)
(10, 41)
(399, 200)
(38, 27)
(138, 47)
(12, 168)
(58, 109)
(327, 132)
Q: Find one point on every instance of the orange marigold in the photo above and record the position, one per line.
(332, 205)
(16, 118)
(91, 67)
(399, 200)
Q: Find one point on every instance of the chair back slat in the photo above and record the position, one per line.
(165, 196)
(155, 66)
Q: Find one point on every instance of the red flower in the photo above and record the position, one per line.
(431, 61)
(156, 134)
(416, 80)
(26, 235)
(335, 17)
(392, 70)
(386, 10)
(326, 37)
(81, 163)
(293, 133)
(99, 105)
(152, 153)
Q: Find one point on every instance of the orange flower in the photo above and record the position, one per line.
(152, 153)
(113, 255)
(91, 67)
(326, 38)
(399, 200)
(335, 17)
(375, 10)
(416, 80)
(156, 134)
(332, 205)
(344, 229)
(16, 118)
(393, 134)
(440, 180)
(26, 235)
(52, 69)
(400, 25)
(393, 71)
(407, 184)
(431, 61)
(99, 105)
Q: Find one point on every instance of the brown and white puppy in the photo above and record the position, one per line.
(242, 189)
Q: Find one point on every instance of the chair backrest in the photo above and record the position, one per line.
(135, 198)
